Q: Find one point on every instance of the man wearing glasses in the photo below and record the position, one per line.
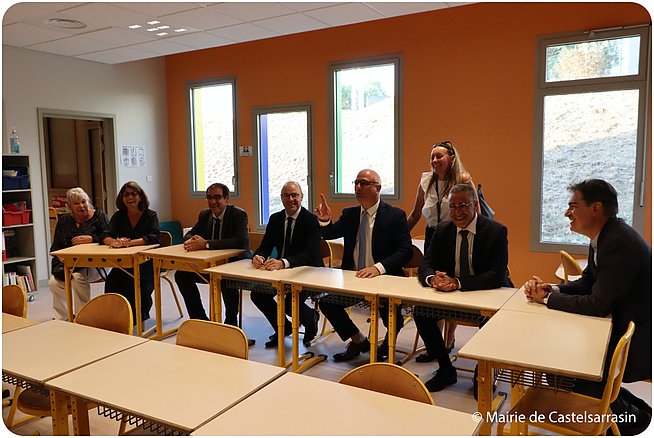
(294, 232)
(468, 252)
(376, 242)
(221, 226)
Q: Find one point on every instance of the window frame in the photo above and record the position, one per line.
(190, 86)
(543, 89)
(397, 61)
(256, 162)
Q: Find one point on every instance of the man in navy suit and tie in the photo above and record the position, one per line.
(377, 241)
(294, 232)
(616, 282)
(221, 226)
(468, 252)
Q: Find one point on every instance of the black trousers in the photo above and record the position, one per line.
(433, 338)
(266, 303)
(336, 314)
(187, 284)
(122, 283)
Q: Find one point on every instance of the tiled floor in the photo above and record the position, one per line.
(458, 396)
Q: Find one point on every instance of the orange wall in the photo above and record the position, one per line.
(468, 76)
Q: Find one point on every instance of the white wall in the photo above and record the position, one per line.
(133, 92)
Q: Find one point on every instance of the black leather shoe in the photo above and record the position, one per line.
(425, 357)
(272, 342)
(444, 377)
(382, 351)
(353, 350)
(251, 342)
(288, 331)
(311, 331)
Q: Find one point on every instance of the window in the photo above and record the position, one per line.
(590, 123)
(284, 144)
(213, 134)
(364, 124)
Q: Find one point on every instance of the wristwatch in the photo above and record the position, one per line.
(207, 245)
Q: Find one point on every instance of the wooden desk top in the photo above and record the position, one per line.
(177, 252)
(44, 351)
(338, 281)
(242, 269)
(519, 303)
(347, 411)
(12, 322)
(557, 342)
(95, 249)
(410, 291)
(172, 385)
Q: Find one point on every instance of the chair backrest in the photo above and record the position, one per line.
(616, 370)
(255, 240)
(411, 267)
(570, 266)
(214, 337)
(389, 379)
(175, 230)
(108, 311)
(326, 253)
(14, 300)
(337, 249)
(165, 238)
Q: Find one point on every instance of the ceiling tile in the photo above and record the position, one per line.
(345, 14)
(119, 36)
(42, 21)
(116, 56)
(71, 46)
(201, 40)
(21, 35)
(252, 11)
(202, 19)
(243, 32)
(392, 9)
(307, 6)
(106, 15)
(289, 24)
(157, 9)
(162, 47)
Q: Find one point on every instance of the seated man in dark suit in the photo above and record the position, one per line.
(294, 232)
(381, 245)
(221, 226)
(468, 252)
(617, 282)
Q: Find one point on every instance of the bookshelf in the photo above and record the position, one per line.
(18, 226)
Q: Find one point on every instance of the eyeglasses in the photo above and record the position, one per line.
(291, 195)
(130, 194)
(445, 144)
(363, 182)
(214, 197)
(461, 206)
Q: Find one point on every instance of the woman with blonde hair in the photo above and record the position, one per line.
(447, 170)
(81, 224)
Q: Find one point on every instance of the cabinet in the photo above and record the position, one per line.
(18, 253)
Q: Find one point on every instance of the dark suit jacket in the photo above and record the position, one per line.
(619, 284)
(490, 255)
(391, 241)
(235, 230)
(305, 240)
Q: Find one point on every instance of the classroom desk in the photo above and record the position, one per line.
(344, 410)
(560, 272)
(13, 322)
(34, 355)
(475, 306)
(342, 286)
(553, 342)
(241, 275)
(162, 387)
(94, 255)
(175, 257)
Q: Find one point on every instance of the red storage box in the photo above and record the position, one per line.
(10, 218)
(25, 216)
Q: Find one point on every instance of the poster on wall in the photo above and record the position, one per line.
(132, 156)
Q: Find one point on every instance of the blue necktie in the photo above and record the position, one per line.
(363, 234)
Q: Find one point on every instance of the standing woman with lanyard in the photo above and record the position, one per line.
(431, 202)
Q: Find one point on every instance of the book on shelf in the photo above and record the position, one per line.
(12, 278)
(26, 271)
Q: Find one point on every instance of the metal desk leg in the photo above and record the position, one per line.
(157, 296)
(392, 302)
(69, 291)
(309, 358)
(281, 322)
(484, 394)
(137, 296)
(80, 416)
(374, 310)
(215, 303)
(59, 411)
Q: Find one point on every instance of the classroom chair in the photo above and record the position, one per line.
(539, 402)
(166, 239)
(214, 337)
(570, 266)
(109, 311)
(175, 230)
(14, 300)
(388, 379)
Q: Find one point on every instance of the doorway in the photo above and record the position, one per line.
(78, 151)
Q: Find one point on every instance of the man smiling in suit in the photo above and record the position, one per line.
(377, 241)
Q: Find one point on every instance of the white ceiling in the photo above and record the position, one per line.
(107, 37)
